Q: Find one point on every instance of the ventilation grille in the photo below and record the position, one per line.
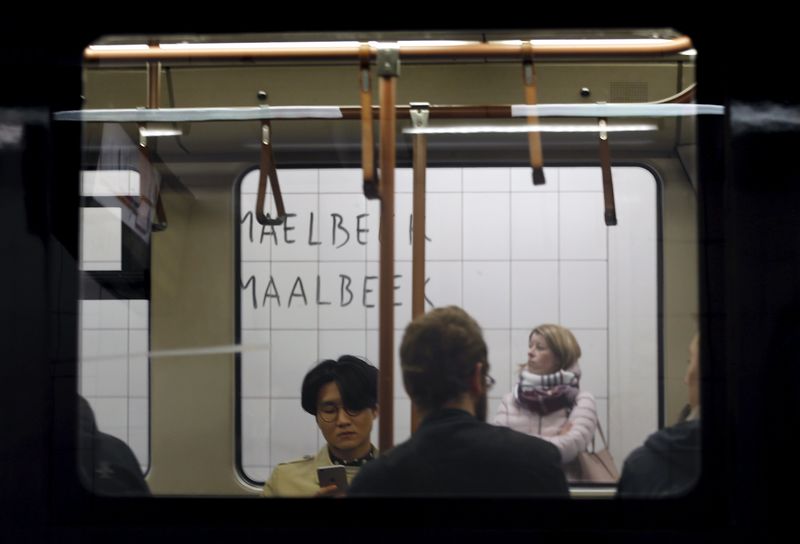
(628, 92)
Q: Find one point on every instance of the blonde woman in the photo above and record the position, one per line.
(547, 401)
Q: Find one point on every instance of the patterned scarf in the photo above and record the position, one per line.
(545, 393)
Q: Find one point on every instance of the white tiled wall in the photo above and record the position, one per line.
(512, 254)
(114, 334)
(113, 372)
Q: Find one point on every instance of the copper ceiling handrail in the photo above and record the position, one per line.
(539, 48)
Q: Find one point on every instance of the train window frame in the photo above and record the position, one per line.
(582, 489)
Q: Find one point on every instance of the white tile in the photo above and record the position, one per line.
(113, 345)
(249, 183)
(294, 239)
(255, 239)
(139, 314)
(255, 431)
(112, 378)
(89, 314)
(138, 363)
(486, 226)
(443, 180)
(534, 288)
(138, 430)
(581, 178)
(293, 432)
(403, 226)
(583, 294)
(101, 236)
(341, 180)
(534, 226)
(113, 314)
(404, 180)
(334, 344)
(487, 180)
(255, 363)
(402, 421)
(443, 287)
(487, 292)
(108, 182)
(111, 416)
(342, 224)
(519, 349)
(443, 226)
(294, 307)
(254, 284)
(338, 293)
(582, 228)
(373, 356)
(522, 180)
(593, 361)
(298, 180)
(293, 354)
(498, 344)
(402, 293)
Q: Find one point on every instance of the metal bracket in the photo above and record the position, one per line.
(420, 113)
(388, 60)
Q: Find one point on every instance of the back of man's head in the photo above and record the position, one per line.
(438, 356)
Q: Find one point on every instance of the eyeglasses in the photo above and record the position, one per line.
(330, 412)
(489, 381)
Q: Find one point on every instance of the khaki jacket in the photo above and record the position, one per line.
(298, 478)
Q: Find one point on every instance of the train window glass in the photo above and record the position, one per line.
(114, 312)
(512, 254)
(198, 323)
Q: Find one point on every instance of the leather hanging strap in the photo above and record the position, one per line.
(608, 183)
(370, 171)
(267, 170)
(534, 137)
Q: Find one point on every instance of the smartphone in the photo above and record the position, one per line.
(333, 475)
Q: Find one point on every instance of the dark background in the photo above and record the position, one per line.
(750, 297)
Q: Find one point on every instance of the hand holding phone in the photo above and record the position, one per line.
(333, 475)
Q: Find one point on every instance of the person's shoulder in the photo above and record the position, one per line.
(296, 463)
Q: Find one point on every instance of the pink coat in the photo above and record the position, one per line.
(583, 417)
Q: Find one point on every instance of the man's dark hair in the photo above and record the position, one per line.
(357, 381)
(438, 356)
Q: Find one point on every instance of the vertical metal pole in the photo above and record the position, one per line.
(419, 118)
(388, 70)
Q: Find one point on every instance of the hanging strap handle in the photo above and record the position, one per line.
(267, 170)
(534, 137)
(368, 166)
(608, 183)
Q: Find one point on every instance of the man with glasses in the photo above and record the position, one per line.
(343, 395)
(454, 451)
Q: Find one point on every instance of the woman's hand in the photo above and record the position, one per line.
(566, 428)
